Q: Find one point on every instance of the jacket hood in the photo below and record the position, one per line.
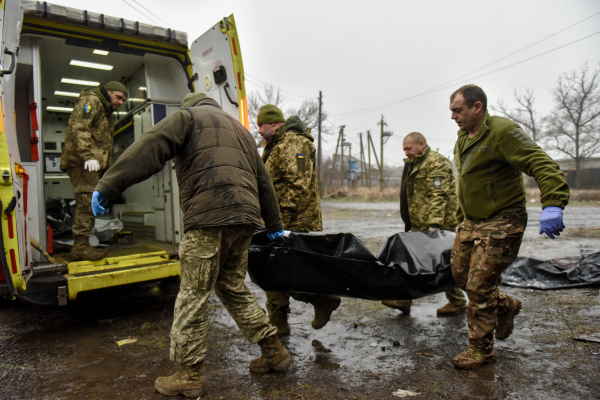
(98, 92)
(293, 125)
(206, 101)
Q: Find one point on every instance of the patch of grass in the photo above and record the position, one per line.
(149, 327)
(363, 194)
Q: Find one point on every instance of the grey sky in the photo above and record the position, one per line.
(366, 53)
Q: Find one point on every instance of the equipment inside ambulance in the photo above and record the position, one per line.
(51, 54)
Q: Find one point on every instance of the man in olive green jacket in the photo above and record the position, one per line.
(289, 156)
(86, 154)
(428, 202)
(225, 189)
(491, 155)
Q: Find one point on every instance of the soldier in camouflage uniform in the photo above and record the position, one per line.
(289, 156)
(86, 154)
(491, 155)
(225, 189)
(428, 202)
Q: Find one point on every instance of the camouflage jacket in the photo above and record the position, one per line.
(428, 193)
(290, 160)
(89, 132)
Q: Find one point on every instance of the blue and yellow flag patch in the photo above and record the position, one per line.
(87, 109)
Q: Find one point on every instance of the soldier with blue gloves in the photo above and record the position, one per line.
(491, 155)
(225, 189)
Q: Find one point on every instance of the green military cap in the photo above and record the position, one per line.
(269, 114)
(114, 85)
(191, 99)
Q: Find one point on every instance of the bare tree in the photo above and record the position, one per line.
(574, 126)
(308, 110)
(524, 115)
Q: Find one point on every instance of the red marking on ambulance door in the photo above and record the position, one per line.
(233, 44)
(11, 233)
(239, 81)
(13, 261)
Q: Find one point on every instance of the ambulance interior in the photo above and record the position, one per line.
(156, 84)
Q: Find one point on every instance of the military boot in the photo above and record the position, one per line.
(274, 356)
(83, 251)
(324, 306)
(402, 305)
(279, 319)
(473, 359)
(189, 381)
(505, 324)
(451, 308)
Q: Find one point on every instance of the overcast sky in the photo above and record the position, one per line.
(362, 54)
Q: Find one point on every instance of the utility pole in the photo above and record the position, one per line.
(369, 148)
(319, 152)
(336, 152)
(362, 159)
(374, 152)
(384, 137)
(342, 164)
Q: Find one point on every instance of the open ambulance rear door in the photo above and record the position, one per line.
(217, 62)
(14, 270)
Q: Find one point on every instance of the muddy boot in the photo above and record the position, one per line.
(505, 324)
(473, 359)
(278, 318)
(402, 305)
(324, 306)
(274, 356)
(451, 308)
(83, 251)
(189, 381)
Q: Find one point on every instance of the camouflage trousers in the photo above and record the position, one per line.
(454, 296)
(84, 183)
(214, 258)
(481, 251)
(278, 301)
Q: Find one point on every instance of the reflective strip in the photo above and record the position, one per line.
(13, 261)
(11, 233)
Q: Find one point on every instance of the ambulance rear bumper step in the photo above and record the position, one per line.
(114, 271)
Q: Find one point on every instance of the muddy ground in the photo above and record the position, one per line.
(71, 352)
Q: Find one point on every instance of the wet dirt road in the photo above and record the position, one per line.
(366, 352)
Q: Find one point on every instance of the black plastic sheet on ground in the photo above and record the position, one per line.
(554, 274)
(409, 265)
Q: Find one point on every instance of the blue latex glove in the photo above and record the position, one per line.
(99, 202)
(551, 221)
(275, 236)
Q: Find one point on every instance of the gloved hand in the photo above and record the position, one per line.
(99, 201)
(276, 235)
(91, 165)
(551, 221)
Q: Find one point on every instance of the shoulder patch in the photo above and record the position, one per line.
(523, 137)
(437, 183)
(301, 162)
(87, 111)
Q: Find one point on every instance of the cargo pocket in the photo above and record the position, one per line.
(178, 343)
(199, 262)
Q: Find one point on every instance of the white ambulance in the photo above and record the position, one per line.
(49, 54)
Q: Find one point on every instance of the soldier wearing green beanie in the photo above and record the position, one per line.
(290, 160)
(86, 154)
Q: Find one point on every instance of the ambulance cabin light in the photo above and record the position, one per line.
(59, 109)
(87, 64)
(67, 94)
(79, 82)
(101, 52)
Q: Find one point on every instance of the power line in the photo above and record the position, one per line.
(260, 86)
(151, 19)
(284, 91)
(166, 23)
(518, 51)
(364, 111)
(383, 106)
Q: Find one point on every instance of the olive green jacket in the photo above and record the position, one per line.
(490, 167)
(89, 131)
(290, 160)
(428, 193)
